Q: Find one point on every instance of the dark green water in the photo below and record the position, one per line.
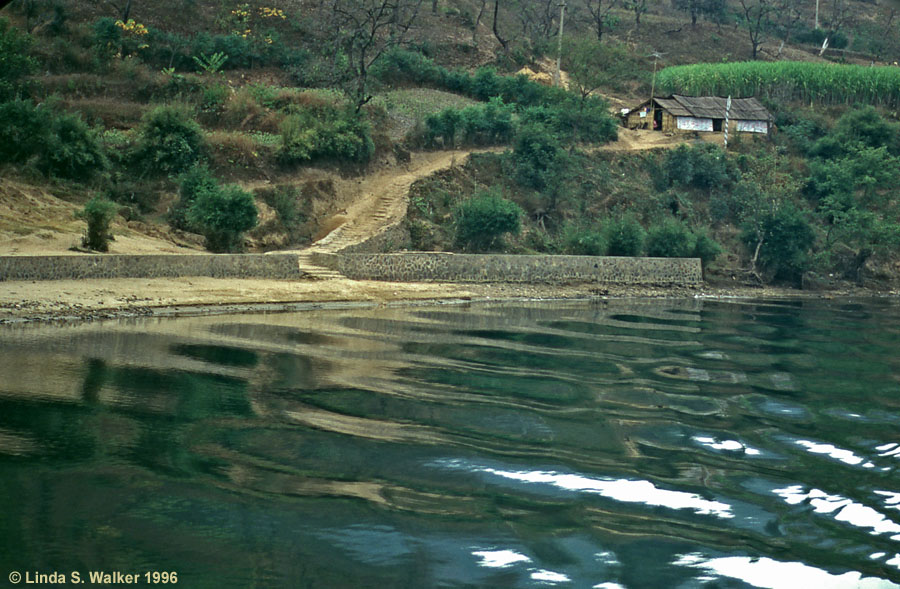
(644, 444)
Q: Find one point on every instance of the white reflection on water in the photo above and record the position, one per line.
(549, 577)
(773, 574)
(845, 456)
(621, 490)
(500, 558)
(608, 586)
(892, 501)
(848, 511)
(892, 449)
(732, 445)
(624, 490)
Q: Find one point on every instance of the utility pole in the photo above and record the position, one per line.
(817, 14)
(557, 79)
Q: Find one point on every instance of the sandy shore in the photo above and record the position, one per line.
(24, 301)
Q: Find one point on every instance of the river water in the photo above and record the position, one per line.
(694, 443)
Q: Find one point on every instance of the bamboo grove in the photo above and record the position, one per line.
(820, 83)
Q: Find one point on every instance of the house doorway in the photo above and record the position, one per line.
(717, 125)
(657, 119)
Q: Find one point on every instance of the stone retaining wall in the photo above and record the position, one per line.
(403, 267)
(443, 267)
(282, 266)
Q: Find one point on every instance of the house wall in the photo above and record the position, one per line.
(635, 121)
(668, 122)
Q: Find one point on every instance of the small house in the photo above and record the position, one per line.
(699, 113)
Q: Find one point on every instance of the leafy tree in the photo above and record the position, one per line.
(98, 213)
(482, 220)
(223, 215)
(780, 240)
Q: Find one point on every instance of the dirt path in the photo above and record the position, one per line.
(643, 139)
(383, 198)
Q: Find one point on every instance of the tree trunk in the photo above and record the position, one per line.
(503, 42)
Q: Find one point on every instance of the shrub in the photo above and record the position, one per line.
(72, 150)
(670, 239)
(442, 127)
(15, 63)
(537, 155)
(23, 130)
(482, 220)
(222, 215)
(170, 142)
(702, 166)
(193, 182)
(98, 213)
(624, 237)
(584, 242)
(331, 133)
(487, 124)
(705, 248)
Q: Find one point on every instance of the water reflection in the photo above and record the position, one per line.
(773, 574)
(607, 444)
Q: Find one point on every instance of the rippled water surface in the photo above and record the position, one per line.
(621, 444)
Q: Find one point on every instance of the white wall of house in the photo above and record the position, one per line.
(753, 126)
(694, 124)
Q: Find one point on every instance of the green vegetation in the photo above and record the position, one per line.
(170, 142)
(325, 130)
(98, 213)
(220, 213)
(222, 216)
(15, 61)
(72, 150)
(821, 83)
(482, 220)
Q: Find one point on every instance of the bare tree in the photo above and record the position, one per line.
(601, 20)
(538, 18)
(364, 30)
(838, 16)
(503, 42)
(758, 21)
(123, 9)
(710, 9)
(477, 22)
(638, 7)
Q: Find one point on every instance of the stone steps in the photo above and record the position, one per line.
(313, 271)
